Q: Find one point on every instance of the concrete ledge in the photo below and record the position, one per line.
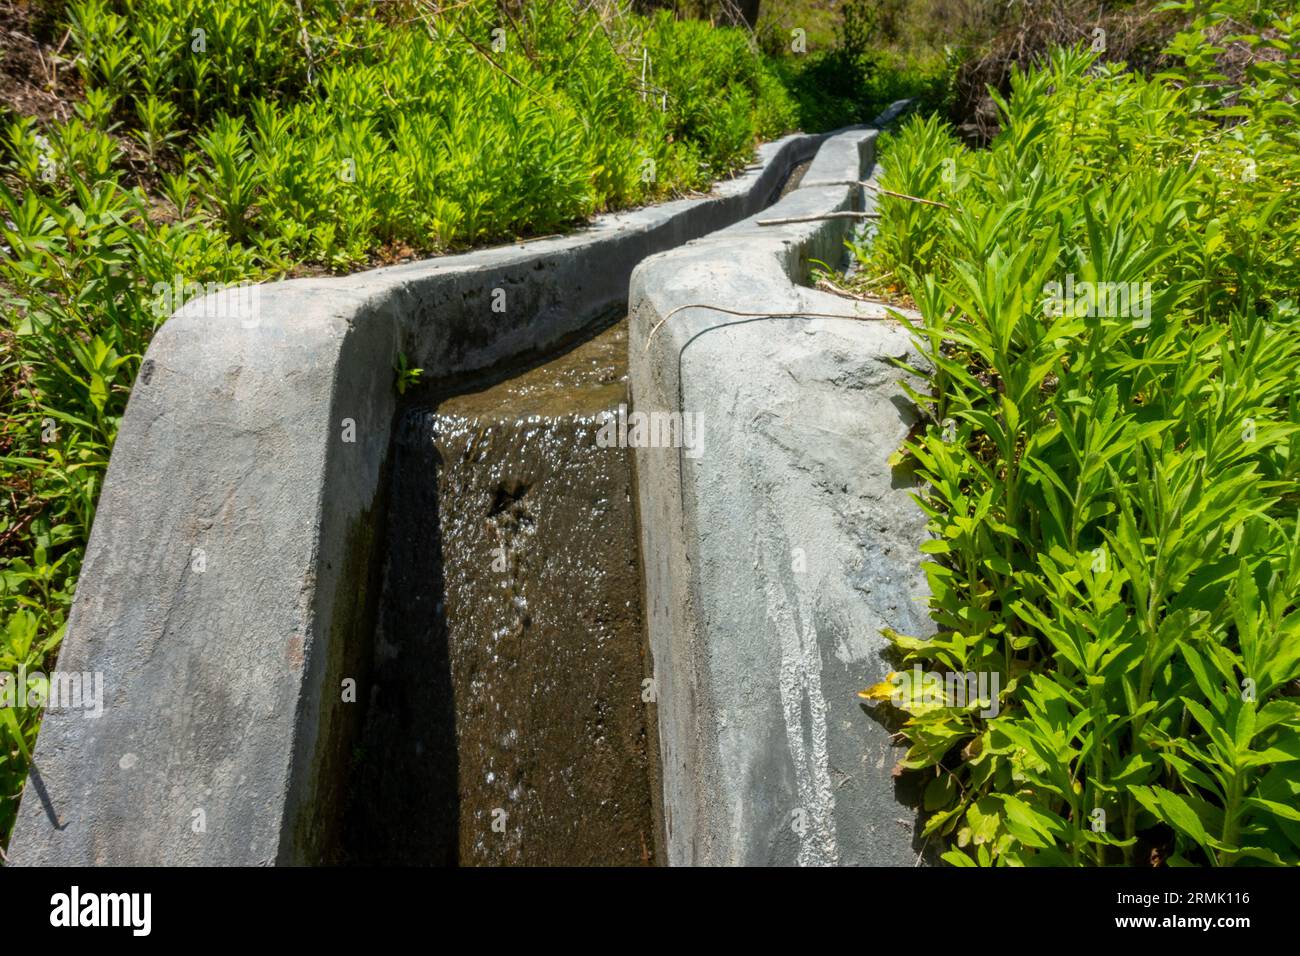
(774, 556)
(230, 581)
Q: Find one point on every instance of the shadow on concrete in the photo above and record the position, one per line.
(404, 801)
(909, 786)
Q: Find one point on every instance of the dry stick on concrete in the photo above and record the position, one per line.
(842, 214)
(880, 278)
(772, 315)
(890, 192)
(884, 192)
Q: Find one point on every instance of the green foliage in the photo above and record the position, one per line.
(80, 266)
(1112, 492)
(831, 92)
(407, 377)
(319, 139)
(856, 78)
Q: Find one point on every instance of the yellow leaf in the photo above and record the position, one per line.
(882, 691)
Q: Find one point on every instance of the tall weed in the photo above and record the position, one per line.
(1111, 479)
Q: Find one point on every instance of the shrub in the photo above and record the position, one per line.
(1112, 492)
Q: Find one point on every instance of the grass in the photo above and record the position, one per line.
(1111, 340)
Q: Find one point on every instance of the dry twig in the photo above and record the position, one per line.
(841, 214)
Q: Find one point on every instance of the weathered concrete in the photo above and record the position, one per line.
(230, 581)
(774, 558)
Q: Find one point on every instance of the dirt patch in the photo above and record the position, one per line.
(35, 77)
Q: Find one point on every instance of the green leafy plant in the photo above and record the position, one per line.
(406, 376)
(1112, 491)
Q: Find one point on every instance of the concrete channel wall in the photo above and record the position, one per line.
(230, 582)
(778, 547)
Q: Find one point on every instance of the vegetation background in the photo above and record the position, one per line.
(1113, 490)
(219, 141)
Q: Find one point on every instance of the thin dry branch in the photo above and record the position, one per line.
(884, 192)
(841, 214)
(890, 192)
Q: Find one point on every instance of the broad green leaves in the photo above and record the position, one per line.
(1112, 491)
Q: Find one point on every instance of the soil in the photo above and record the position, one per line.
(35, 76)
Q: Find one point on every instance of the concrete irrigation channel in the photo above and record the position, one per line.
(510, 644)
(596, 590)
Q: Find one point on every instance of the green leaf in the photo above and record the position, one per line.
(1174, 810)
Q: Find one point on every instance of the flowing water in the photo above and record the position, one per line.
(506, 723)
